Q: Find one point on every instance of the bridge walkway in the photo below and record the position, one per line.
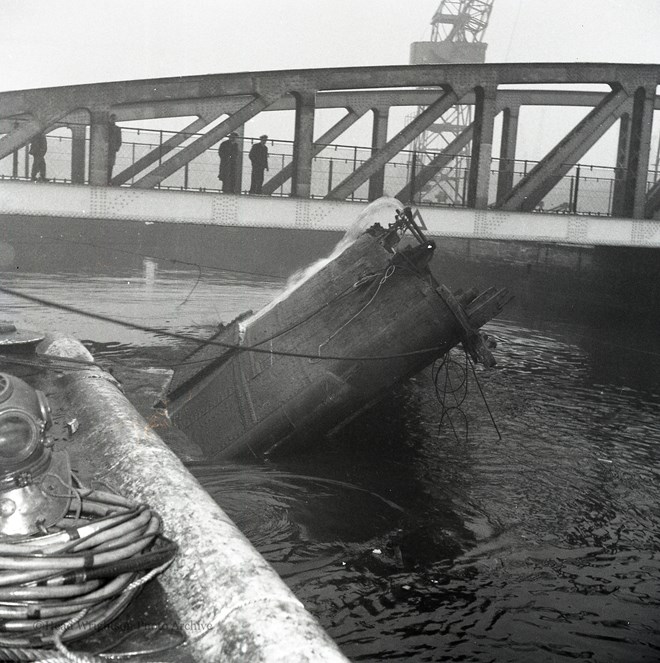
(118, 204)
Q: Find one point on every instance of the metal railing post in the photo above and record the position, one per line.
(576, 189)
(601, 182)
(354, 167)
(14, 164)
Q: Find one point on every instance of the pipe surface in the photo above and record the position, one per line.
(237, 607)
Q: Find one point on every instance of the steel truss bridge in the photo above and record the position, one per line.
(492, 180)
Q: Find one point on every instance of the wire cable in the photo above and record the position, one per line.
(386, 275)
(458, 392)
(91, 565)
(230, 346)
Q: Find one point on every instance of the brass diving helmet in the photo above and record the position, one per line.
(35, 483)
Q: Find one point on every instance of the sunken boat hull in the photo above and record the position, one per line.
(371, 317)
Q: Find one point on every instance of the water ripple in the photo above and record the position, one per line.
(412, 543)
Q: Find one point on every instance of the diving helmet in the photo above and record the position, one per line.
(35, 481)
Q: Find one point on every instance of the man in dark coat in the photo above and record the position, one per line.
(228, 153)
(114, 143)
(38, 149)
(259, 158)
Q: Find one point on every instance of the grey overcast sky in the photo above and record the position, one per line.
(47, 43)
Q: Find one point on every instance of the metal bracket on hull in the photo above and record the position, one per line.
(405, 219)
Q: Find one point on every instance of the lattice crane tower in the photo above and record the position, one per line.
(457, 32)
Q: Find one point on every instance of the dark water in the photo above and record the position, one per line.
(415, 542)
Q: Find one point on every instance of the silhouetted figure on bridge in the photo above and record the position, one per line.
(114, 143)
(228, 153)
(259, 158)
(38, 149)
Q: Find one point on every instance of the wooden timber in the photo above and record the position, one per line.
(368, 319)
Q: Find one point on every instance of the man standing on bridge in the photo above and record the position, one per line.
(38, 149)
(259, 158)
(228, 153)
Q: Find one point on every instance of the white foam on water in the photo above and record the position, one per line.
(380, 211)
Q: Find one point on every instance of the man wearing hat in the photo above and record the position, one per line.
(259, 158)
(228, 153)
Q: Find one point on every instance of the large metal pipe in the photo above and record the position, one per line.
(217, 579)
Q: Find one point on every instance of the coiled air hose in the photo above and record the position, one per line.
(59, 586)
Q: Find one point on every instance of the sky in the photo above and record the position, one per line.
(48, 43)
(82, 41)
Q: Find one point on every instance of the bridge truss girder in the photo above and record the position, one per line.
(25, 113)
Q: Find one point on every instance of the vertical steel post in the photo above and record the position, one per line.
(378, 140)
(639, 152)
(78, 153)
(99, 156)
(303, 144)
(508, 146)
(482, 147)
(620, 170)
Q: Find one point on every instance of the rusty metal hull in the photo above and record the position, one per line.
(368, 319)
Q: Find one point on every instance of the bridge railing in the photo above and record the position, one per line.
(585, 189)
